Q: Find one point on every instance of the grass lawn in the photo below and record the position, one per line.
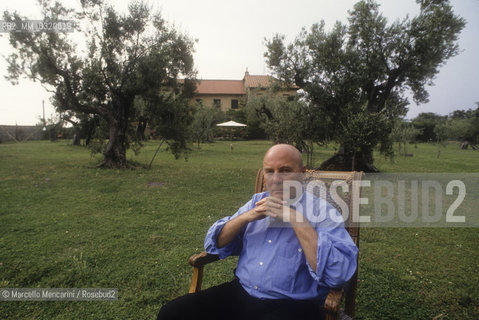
(66, 224)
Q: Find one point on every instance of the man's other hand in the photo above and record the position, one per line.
(272, 207)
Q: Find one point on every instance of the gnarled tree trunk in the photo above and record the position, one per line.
(347, 160)
(115, 150)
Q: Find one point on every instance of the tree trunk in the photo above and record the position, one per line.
(76, 139)
(89, 135)
(140, 129)
(115, 150)
(347, 160)
(309, 146)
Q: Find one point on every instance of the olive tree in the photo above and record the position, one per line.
(365, 68)
(100, 69)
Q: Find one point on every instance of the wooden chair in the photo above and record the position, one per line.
(351, 200)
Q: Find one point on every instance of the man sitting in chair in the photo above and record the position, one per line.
(290, 252)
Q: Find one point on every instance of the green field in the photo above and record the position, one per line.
(66, 224)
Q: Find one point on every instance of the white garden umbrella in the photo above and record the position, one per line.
(230, 124)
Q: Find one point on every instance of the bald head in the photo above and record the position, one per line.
(284, 153)
(282, 162)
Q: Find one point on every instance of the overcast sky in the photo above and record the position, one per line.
(231, 36)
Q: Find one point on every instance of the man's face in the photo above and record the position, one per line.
(278, 166)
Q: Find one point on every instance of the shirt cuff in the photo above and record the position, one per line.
(321, 257)
(335, 265)
(211, 245)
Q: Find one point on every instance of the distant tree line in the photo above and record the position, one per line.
(460, 125)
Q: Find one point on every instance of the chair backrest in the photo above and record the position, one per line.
(347, 187)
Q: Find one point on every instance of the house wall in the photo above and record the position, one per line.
(262, 91)
(208, 100)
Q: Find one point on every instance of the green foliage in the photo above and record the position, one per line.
(236, 115)
(98, 135)
(441, 132)
(364, 130)
(426, 122)
(464, 125)
(404, 133)
(54, 127)
(279, 118)
(286, 120)
(203, 127)
(367, 62)
(463, 130)
(96, 146)
(170, 115)
(460, 125)
(254, 129)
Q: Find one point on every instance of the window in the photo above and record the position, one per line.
(234, 104)
(217, 103)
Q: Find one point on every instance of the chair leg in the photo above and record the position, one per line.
(196, 279)
(350, 295)
(331, 316)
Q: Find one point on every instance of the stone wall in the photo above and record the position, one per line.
(20, 133)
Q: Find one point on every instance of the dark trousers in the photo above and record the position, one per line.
(231, 301)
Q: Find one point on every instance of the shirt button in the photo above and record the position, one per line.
(300, 250)
(261, 263)
(256, 287)
(269, 241)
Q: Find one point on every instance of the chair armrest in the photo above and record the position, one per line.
(332, 303)
(200, 259)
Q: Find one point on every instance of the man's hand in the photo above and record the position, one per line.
(266, 207)
(278, 209)
(273, 207)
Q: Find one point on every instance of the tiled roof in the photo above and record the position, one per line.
(234, 86)
(257, 81)
(220, 87)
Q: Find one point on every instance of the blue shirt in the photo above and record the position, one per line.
(271, 262)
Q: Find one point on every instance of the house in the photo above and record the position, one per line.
(232, 94)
